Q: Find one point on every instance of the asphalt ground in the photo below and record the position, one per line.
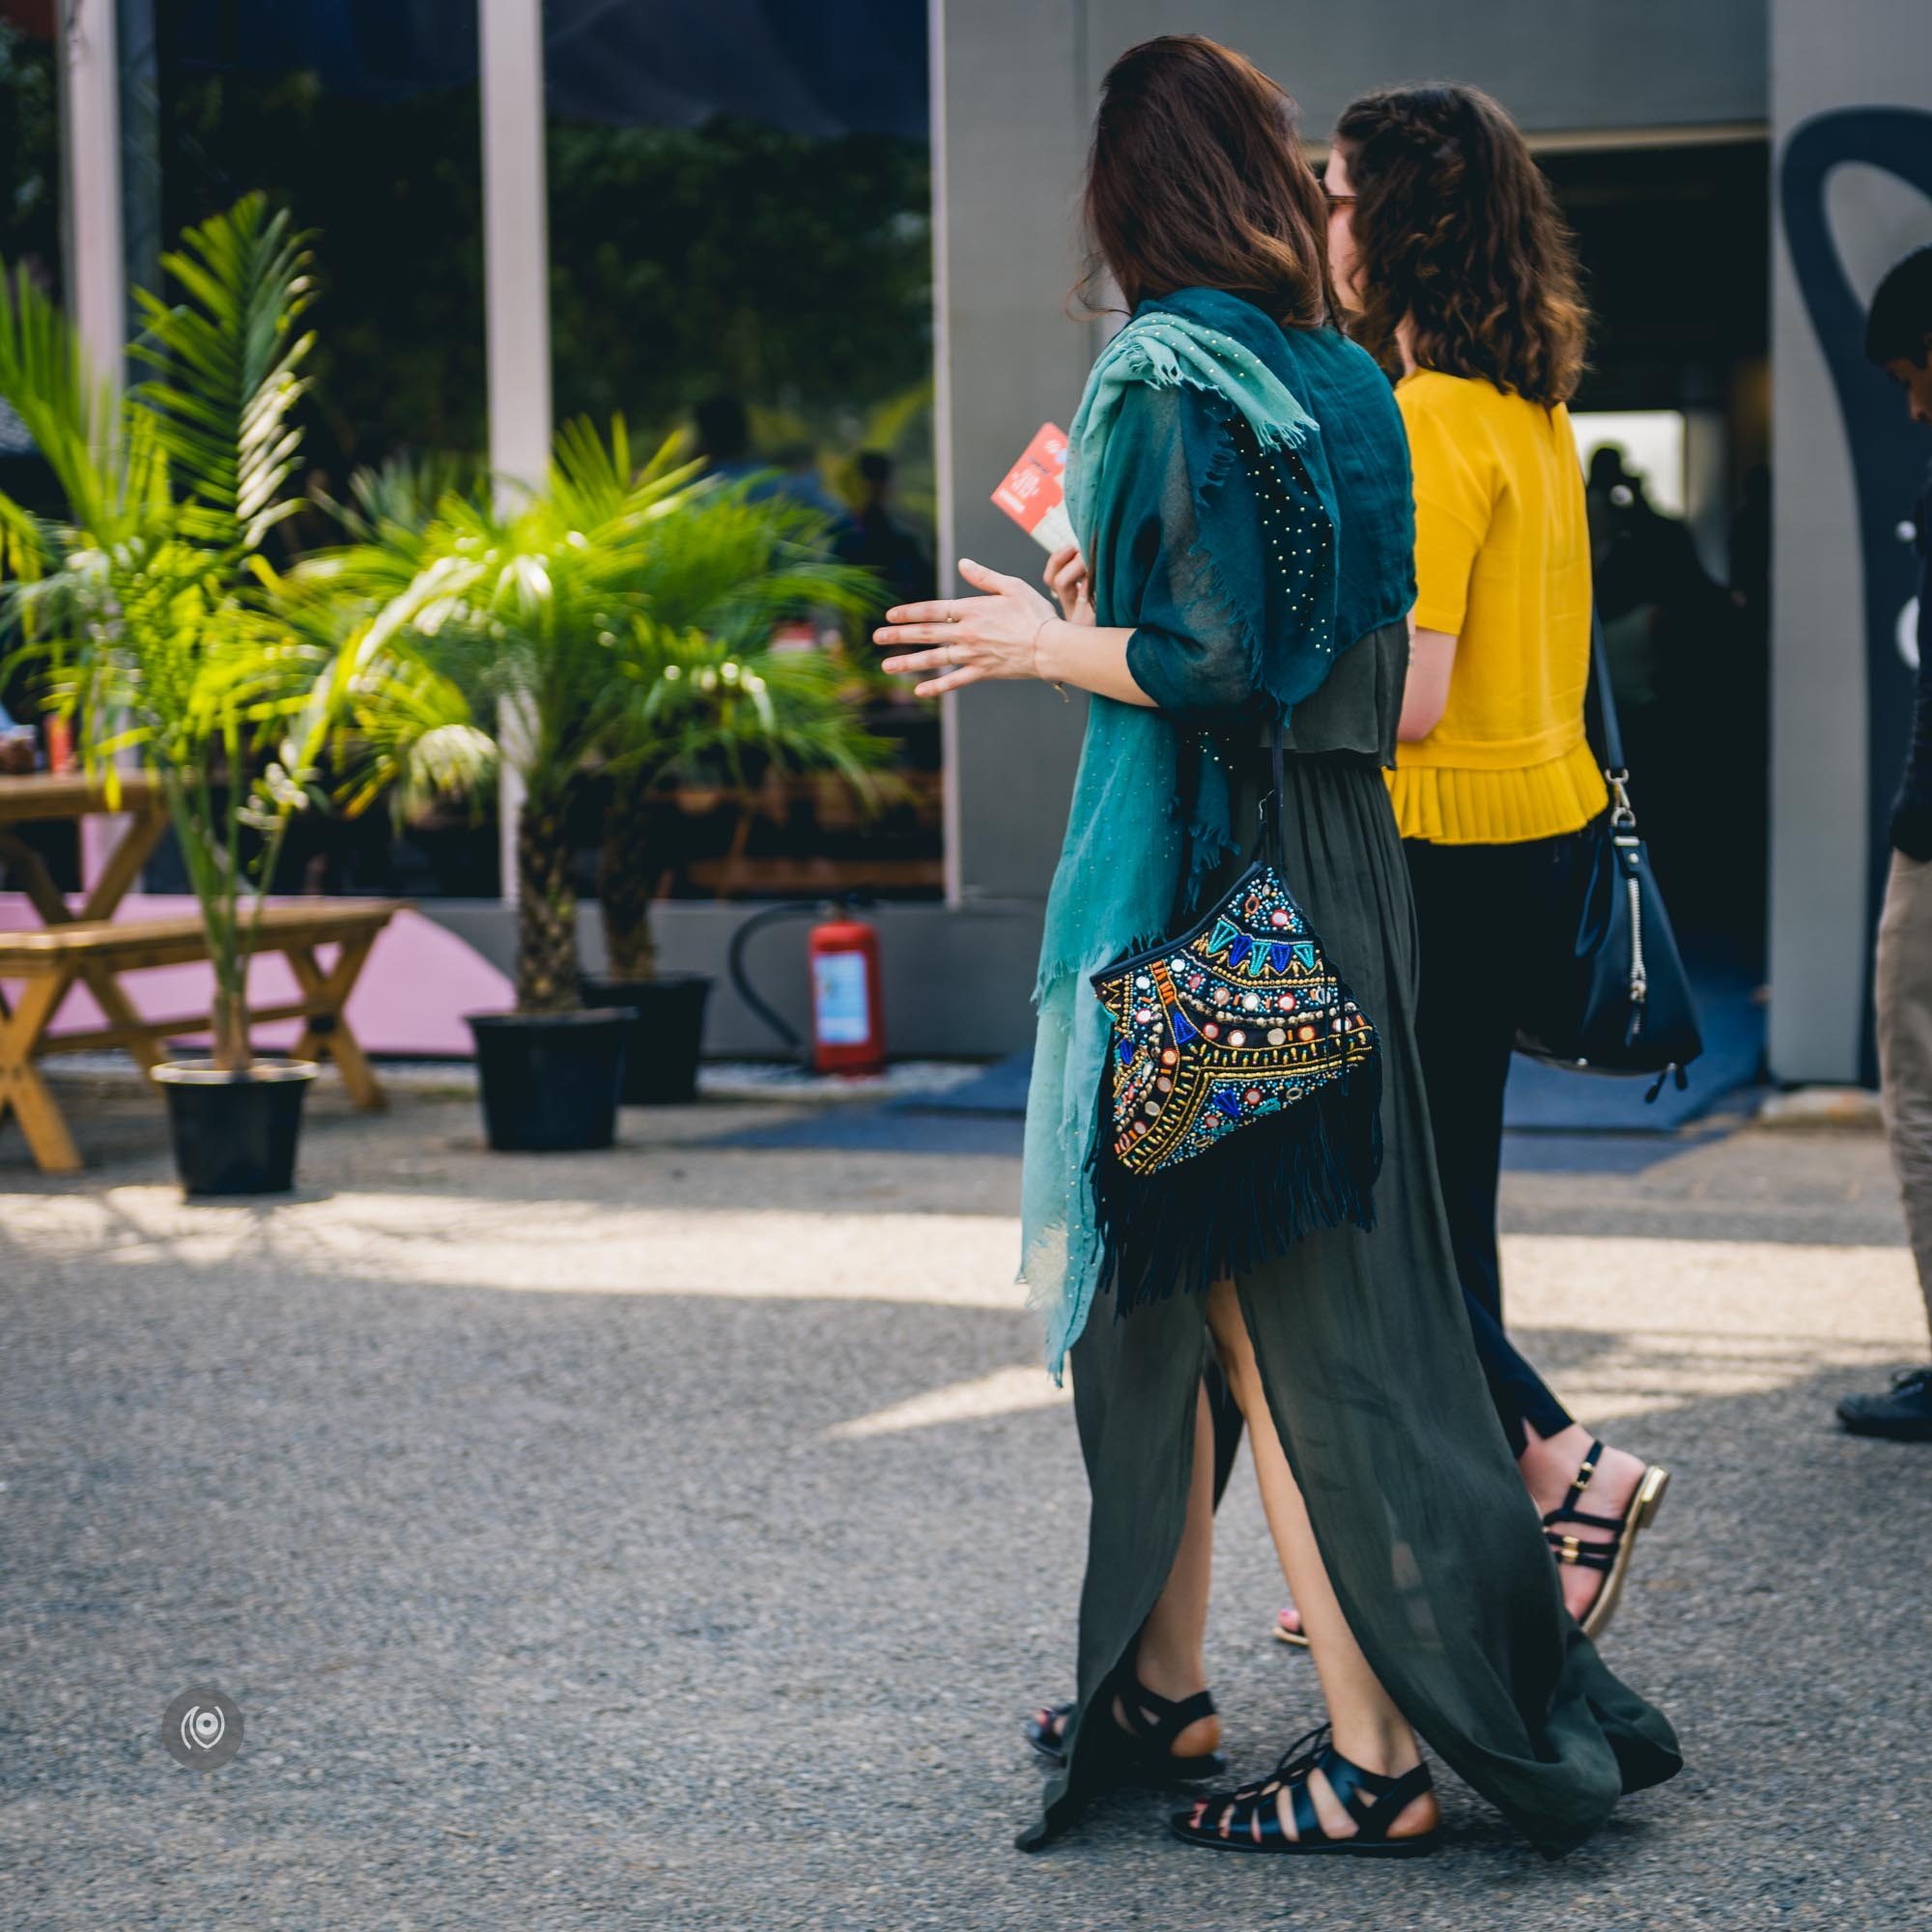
(677, 1536)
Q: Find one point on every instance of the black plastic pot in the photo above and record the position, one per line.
(235, 1133)
(550, 1081)
(661, 1051)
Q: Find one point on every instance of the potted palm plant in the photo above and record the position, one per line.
(557, 635)
(717, 704)
(151, 612)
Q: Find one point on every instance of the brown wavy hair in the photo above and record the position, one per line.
(1458, 233)
(1196, 177)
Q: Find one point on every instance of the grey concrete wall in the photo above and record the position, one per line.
(1017, 82)
(957, 982)
(1853, 53)
(1013, 126)
(1558, 65)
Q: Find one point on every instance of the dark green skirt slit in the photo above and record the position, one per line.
(1434, 1548)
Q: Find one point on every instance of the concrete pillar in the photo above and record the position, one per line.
(97, 278)
(1011, 115)
(516, 249)
(97, 286)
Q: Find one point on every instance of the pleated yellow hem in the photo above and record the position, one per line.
(1450, 806)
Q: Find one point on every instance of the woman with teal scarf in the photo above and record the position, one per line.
(1239, 485)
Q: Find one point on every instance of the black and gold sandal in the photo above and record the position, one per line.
(1611, 1553)
(1249, 1819)
(1141, 1728)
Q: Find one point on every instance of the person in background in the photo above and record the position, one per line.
(797, 477)
(1446, 242)
(1611, 486)
(877, 540)
(1899, 338)
(722, 431)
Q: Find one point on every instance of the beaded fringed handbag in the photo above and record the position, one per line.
(1243, 1103)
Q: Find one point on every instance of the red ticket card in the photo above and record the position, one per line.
(1032, 495)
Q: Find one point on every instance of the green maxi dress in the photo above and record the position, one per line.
(1432, 1544)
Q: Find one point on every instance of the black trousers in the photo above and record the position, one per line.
(1487, 917)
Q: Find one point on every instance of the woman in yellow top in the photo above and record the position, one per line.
(1445, 239)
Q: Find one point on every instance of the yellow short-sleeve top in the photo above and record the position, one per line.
(1502, 563)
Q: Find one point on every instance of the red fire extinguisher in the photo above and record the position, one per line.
(848, 1020)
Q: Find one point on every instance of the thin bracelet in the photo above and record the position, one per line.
(1057, 683)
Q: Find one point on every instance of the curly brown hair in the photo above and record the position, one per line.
(1457, 234)
(1197, 179)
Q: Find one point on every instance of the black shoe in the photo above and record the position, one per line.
(1139, 1738)
(1249, 1820)
(1905, 1415)
(1610, 1554)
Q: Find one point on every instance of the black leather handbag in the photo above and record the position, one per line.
(1620, 1003)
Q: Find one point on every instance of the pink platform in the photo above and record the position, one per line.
(418, 983)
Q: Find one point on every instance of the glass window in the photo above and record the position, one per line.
(30, 162)
(363, 120)
(30, 244)
(741, 249)
(30, 204)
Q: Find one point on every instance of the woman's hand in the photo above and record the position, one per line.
(1066, 576)
(974, 637)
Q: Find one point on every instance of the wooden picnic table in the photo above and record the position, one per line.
(89, 947)
(46, 797)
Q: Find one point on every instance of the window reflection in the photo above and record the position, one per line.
(30, 246)
(741, 252)
(363, 118)
(740, 256)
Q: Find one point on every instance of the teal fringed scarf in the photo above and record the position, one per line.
(1220, 521)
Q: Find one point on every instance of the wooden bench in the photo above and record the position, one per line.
(94, 952)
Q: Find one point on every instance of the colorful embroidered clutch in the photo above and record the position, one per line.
(1242, 1104)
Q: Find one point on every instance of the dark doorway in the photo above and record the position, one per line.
(1675, 245)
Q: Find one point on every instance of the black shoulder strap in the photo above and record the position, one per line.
(1610, 733)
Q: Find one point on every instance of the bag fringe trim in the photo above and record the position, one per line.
(1248, 1200)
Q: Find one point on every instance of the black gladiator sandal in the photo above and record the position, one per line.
(1249, 1820)
(1045, 1733)
(1140, 1730)
(1611, 1555)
